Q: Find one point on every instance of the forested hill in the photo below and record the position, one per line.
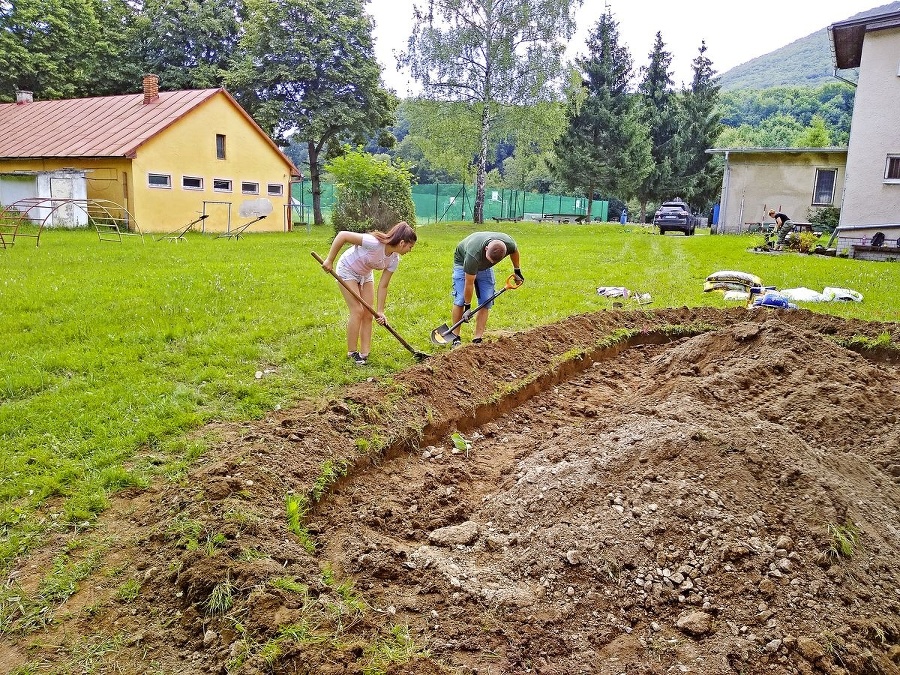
(804, 62)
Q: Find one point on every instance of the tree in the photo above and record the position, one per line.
(445, 133)
(488, 54)
(188, 43)
(659, 113)
(306, 69)
(698, 130)
(605, 148)
(816, 135)
(63, 48)
(371, 193)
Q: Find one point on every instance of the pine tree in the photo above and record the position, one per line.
(699, 129)
(660, 113)
(605, 149)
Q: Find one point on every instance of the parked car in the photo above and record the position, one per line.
(675, 215)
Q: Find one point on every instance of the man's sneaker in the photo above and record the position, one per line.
(457, 341)
(361, 360)
(476, 341)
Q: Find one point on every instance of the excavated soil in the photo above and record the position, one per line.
(622, 492)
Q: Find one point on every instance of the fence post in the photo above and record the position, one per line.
(436, 191)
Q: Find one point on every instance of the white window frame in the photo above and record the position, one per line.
(191, 187)
(275, 189)
(815, 200)
(157, 186)
(892, 169)
(230, 187)
(249, 187)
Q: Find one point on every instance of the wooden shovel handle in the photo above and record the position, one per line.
(365, 304)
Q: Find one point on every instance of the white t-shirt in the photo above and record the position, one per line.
(369, 256)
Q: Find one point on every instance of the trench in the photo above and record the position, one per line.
(435, 433)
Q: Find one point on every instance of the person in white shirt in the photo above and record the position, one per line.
(369, 251)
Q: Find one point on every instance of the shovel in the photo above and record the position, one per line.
(444, 336)
(415, 352)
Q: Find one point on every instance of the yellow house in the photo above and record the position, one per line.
(164, 158)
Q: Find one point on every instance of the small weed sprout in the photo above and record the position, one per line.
(213, 543)
(247, 521)
(351, 601)
(396, 648)
(330, 472)
(844, 539)
(128, 591)
(270, 652)
(221, 599)
(251, 554)
(185, 531)
(289, 584)
(461, 443)
(297, 507)
(834, 646)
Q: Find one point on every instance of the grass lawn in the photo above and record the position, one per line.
(112, 351)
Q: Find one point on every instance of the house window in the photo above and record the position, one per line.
(221, 185)
(220, 146)
(159, 180)
(892, 169)
(249, 188)
(275, 189)
(191, 183)
(823, 195)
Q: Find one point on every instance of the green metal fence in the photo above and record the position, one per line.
(441, 202)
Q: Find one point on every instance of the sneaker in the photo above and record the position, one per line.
(353, 356)
(477, 341)
(457, 341)
(361, 360)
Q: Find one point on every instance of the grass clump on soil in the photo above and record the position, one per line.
(221, 599)
(395, 648)
(296, 507)
(101, 382)
(883, 341)
(844, 540)
(22, 612)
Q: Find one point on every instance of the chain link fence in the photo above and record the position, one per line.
(442, 202)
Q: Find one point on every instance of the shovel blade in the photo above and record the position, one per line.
(442, 335)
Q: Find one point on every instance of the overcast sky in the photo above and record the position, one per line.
(734, 32)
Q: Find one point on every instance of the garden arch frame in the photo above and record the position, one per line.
(111, 220)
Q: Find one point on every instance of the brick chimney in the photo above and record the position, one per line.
(23, 97)
(151, 88)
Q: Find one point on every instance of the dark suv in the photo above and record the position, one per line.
(675, 215)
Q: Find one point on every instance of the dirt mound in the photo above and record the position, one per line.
(668, 491)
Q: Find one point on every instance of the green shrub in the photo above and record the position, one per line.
(827, 217)
(371, 194)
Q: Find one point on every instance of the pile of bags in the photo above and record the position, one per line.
(745, 287)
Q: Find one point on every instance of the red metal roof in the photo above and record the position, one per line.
(106, 126)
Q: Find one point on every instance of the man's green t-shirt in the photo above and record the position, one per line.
(470, 253)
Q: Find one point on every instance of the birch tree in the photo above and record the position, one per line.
(488, 55)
